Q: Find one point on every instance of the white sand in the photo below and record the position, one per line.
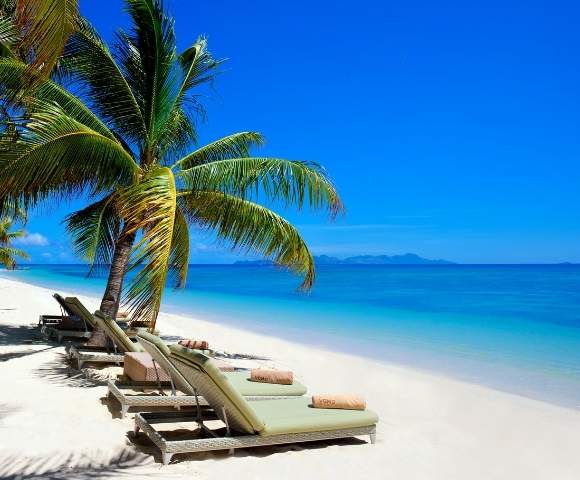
(430, 427)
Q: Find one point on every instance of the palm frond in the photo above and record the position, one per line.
(198, 66)
(150, 206)
(94, 231)
(46, 27)
(251, 228)
(177, 135)
(9, 37)
(8, 256)
(11, 208)
(87, 60)
(237, 145)
(12, 78)
(292, 182)
(61, 157)
(147, 53)
(179, 260)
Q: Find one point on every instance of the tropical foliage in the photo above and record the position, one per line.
(9, 254)
(119, 125)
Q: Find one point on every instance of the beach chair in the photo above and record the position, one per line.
(179, 392)
(118, 341)
(247, 424)
(75, 320)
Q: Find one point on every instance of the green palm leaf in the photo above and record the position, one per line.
(179, 260)
(8, 256)
(59, 157)
(150, 206)
(198, 67)
(46, 27)
(12, 75)
(251, 228)
(87, 60)
(9, 37)
(147, 54)
(237, 145)
(94, 231)
(292, 182)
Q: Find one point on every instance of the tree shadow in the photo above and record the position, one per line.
(60, 371)
(17, 335)
(71, 466)
(4, 357)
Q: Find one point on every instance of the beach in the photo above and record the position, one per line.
(430, 426)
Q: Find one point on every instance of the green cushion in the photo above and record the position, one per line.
(231, 398)
(155, 340)
(295, 415)
(241, 382)
(116, 333)
(76, 307)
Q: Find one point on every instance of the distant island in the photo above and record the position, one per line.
(406, 259)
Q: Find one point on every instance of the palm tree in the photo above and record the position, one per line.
(37, 30)
(8, 253)
(126, 140)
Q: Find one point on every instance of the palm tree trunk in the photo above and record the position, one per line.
(112, 296)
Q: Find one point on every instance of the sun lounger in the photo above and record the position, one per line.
(118, 340)
(180, 392)
(248, 424)
(74, 322)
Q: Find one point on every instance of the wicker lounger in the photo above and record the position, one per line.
(70, 324)
(125, 393)
(248, 424)
(120, 341)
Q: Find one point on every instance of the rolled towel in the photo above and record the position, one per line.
(223, 366)
(345, 402)
(195, 344)
(271, 376)
(122, 314)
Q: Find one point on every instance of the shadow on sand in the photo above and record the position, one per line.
(22, 337)
(71, 466)
(60, 371)
(144, 445)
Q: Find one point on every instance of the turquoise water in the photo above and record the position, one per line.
(515, 328)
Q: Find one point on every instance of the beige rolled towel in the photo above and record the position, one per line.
(195, 344)
(345, 402)
(122, 314)
(271, 376)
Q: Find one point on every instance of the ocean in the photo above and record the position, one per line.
(515, 328)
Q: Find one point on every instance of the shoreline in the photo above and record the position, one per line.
(408, 342)
(431, 426)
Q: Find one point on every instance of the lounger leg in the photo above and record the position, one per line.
(373, 437)
(124, 410)
(231, 451)
(59, 338)
(80, 363)
(166, 457)
(135, 430)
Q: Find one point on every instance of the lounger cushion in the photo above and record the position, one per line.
(155, 340)
(229, 396)
(295, 415)
(116, 334)
(75, 307)
(241, 382)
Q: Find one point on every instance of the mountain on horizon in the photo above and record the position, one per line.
(406, 259)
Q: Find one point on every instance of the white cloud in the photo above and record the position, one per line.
(33, 240)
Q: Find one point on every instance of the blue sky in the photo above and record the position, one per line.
(451, 130)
